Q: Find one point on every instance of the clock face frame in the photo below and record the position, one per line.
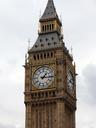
(43, 77)
(70, 81)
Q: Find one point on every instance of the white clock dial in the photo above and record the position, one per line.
(70, 81)
(43, 77)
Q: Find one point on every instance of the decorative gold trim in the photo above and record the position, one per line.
(35, 69)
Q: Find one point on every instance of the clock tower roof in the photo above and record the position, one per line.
(47, 41)
(50, 12)
(50, 30)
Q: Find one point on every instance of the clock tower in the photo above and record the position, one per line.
(50, 84)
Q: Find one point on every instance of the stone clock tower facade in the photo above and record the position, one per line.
(50, 84)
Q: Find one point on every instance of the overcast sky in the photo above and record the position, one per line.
(18, 23)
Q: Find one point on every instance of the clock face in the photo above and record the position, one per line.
(70, 81)
(43, 77)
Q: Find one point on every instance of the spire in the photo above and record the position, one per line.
(50, 12)
(50, 36)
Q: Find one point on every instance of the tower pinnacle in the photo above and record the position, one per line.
(50, 12)
(49, 34)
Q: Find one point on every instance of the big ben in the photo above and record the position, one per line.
(50, 77)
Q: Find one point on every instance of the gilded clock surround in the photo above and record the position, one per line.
(43, 77)
(55, 105)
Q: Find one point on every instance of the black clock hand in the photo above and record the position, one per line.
(44, 76)
(48, 76)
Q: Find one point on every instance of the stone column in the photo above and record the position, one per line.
(60, 115)
(73, 120)
(28, 115)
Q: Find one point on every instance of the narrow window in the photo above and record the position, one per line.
(41, 56)
(46, 39)
(44, 55)
(36, 46)
(38, 56)
(35, 94)
(43, 28)
(52, 38)
(46, 94)
(47, 27)
(40, 40)
(34, 57)
(47, 55)
(42, 45)
(53, 94)
(51, 54)
(38, 94)
(49, 43)
(52, 26)
(55, 43)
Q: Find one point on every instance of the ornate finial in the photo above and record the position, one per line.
(25, 58)
(39, 28)
(61, 18)
(75, 69)
(28, 48)
(71, 50)
(29, 40)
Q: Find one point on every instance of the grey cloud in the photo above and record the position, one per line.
(86, 90)
(6, 126)
(10, 126)
(89, 74)
(0, 72)
(18, 21)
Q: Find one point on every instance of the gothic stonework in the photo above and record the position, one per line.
(50, 78)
